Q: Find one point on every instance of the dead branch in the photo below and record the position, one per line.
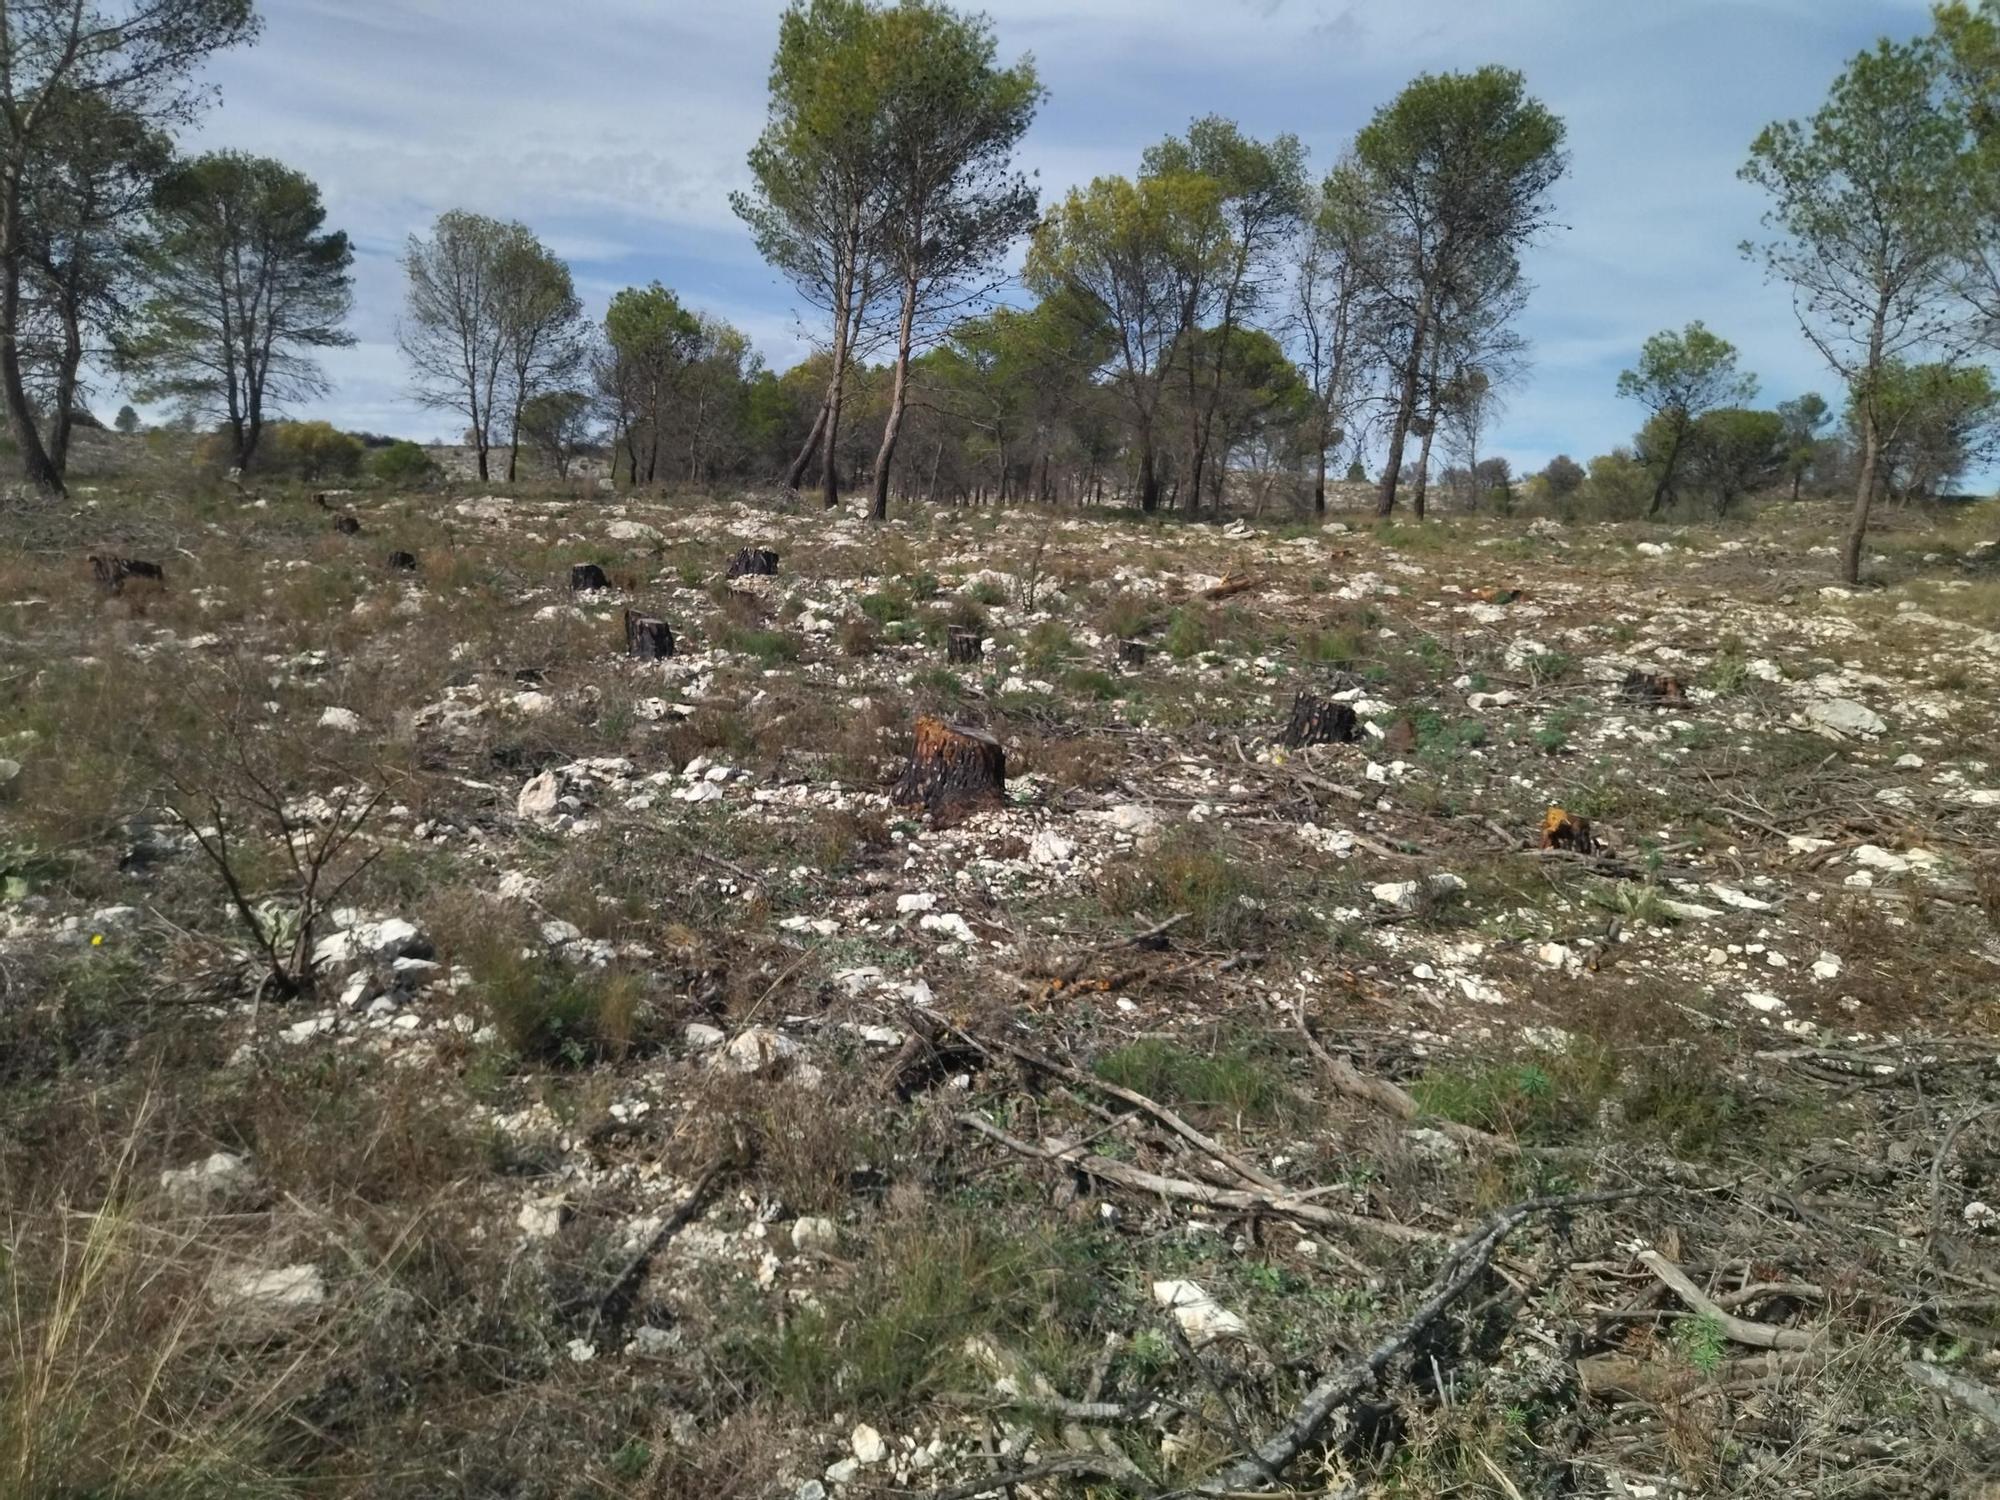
(1092, 1465)
(1619, 1377)
(609, 1302)
(1740, 1330)
(1239, 1200)
(1384, 1095)
(1248, 1171)
(1465, 1264)
(1975, 1398)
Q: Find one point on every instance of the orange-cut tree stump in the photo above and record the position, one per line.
(952, 767)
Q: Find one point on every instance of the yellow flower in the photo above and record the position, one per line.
(97, 940)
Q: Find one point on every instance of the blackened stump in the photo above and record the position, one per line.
(1652, 687)
(1315, 721)
(963, 645)
(952, 768)
(112, 573)
(403, 562)
(647, 638)
(1131, 653)
(1562, 829)
(347, 525)
(587, 576)
(753, 560)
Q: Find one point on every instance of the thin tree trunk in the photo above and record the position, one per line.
(1422, 486)
(898, 396)
(1406, 407)
(795, 476)
(1319, 480)
(1864, 496)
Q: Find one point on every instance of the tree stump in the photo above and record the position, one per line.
(1562, 829)
(952, 768)
(1653, 687)
(403, 562)
(347, 525)
(1131, 653)
(112, 573)
(963, 645)
(584, 577)
(647, 638)
(753, 561)
(1316, 721)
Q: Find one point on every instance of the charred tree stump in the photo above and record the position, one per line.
(1562, 829)
(586, 577)
(112, 573)
(963, 645)
(952, 768)
(347, 525)
(1653, 687)
(1316, 721)
(647, 638)
(752, 561)
(402, 562)
(1131, 653)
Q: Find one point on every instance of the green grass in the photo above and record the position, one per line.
(1235, 1081)
(1189, 633)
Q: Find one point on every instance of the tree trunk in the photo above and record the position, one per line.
(1319, 481)
(898, 397)
(1406, 407)
(796, 475)
(1664, 489)
(1864, 496)
(1149, 477)
(1422, 486)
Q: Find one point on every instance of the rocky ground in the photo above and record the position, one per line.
(441, 1054)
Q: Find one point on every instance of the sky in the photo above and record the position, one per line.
(617, 129)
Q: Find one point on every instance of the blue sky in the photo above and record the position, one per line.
(617, 128)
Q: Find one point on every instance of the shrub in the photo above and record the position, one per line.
(312, 450)
(403, 462)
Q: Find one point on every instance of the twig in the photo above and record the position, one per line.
(1248, 1171)
(1388, 1097)
(1069, 971)
(1741, 1330)
(1073, 1463)
(1240, 1200)
(1957, 1128)
(627, 1280)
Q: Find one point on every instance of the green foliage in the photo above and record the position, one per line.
(1703, 1342)
(404, 464)
(312, 451)
(1937, 422)
(549, 1013)
(1733, 452)
(1190, 631)
(243, 283)
(1680, 376)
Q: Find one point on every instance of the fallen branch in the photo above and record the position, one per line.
(1740, 1330)
(1248, 1171)
(1384, 1095)
(1069, 971)
(1975, 1398)
(1466, 1263)
(1088, 1464)
(610, 1303)
(1619, 1377)
(1239, 1200)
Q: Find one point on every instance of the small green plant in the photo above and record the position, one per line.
(1189, 633)
(1702, 1342)
(1235, 1081)
(1048, 644)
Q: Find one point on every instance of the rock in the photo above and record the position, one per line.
(9, 770)
(377, 942)
(757, 1049)
(542, 1218)
(221, 1176)
(1404, 894)
(648, 1342)
(343, 720)
(868, 1445)
(539, 797)
(290, 1292)
(1843, 716)
(1200, 1317)
(812, 1489)
(844, 1471)
(1130, 817)
(631, 531)
(949, 925)
(1728, 895)
(703, 1037)
(1048, 847)
(815, 1236)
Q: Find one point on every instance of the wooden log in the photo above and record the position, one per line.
(952, 768)
(586, 577)
(113, 573)
(347, 525)
(647, 638)
(1232, 584)
(1562, 829)
(752, 561)
(1654, 687)
(1317, 721)
(402, 562)
(1131, 653)
(963, 645)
